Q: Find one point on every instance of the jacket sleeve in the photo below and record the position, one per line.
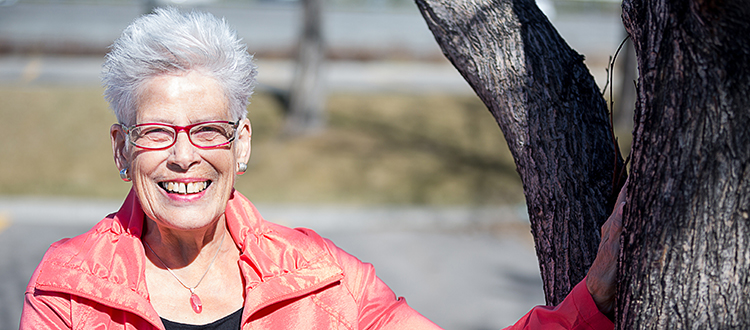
(379, 308)
(578, 311)
(43, 310)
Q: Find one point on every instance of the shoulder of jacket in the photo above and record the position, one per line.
(101, 233)
(309, 240)
(90, 253)
(305, 241)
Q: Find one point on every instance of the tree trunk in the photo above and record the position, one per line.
(685, 262)
(307, 96)
(553, 117)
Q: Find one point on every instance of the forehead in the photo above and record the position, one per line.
(182, 99)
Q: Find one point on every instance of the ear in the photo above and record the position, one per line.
(119, 146)
(242, 141)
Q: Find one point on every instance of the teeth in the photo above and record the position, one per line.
(194, 187)
(183, 188)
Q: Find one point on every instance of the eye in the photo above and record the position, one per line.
(209, 128)
(154, 133)
(153, 130)
(212, 131)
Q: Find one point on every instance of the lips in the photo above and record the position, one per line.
(184, 188)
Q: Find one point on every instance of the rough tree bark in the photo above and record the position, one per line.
(553, 117)
(307, 95)
(685, 262)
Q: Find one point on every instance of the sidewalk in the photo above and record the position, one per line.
(339, 76)
(271, 31)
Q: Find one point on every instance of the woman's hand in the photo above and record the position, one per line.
(601, 279)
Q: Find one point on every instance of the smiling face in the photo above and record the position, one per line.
(182, 187)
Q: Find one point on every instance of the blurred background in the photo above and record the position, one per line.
(389, 154)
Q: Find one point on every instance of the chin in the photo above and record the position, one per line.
(189, 219)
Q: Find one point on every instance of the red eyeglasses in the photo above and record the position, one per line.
(205, 135)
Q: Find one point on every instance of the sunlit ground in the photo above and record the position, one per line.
(377, 148)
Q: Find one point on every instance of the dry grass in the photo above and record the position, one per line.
(393, 149)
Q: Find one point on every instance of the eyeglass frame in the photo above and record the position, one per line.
(186, 129)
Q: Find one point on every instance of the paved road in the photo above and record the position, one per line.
(269, 31)
(444, 261)
(273, 28)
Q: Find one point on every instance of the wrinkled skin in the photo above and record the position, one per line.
(601, 279)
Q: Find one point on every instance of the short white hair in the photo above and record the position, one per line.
(171, 42)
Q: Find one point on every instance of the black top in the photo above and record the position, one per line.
(229, 322)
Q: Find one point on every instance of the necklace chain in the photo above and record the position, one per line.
(204, 273)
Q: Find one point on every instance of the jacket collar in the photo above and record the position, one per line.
(277, 262)
(107, 264)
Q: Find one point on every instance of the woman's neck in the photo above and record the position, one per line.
(180, 248)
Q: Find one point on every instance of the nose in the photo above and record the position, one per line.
(183, 153)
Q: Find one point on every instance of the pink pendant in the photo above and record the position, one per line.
(196, 303)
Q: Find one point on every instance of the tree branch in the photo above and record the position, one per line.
(553, 117)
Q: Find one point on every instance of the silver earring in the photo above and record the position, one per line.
(241, 168)
(124, 175)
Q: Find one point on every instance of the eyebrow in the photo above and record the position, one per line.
(160, 121)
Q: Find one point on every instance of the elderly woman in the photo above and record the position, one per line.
(187, 251)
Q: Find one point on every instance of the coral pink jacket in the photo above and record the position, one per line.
(294, 279)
